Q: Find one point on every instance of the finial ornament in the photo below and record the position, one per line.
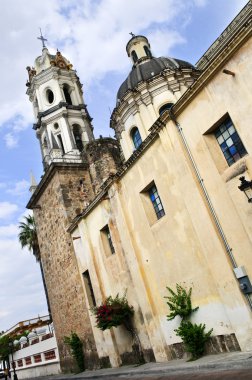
(132, 34)
(42, 39)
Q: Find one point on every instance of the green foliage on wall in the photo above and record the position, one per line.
(112, 312)
(193, 336)
(180, 303)
(4, 347)
(76, 349)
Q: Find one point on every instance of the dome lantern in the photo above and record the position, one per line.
(138, 49)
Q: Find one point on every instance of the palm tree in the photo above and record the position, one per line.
(28, 238)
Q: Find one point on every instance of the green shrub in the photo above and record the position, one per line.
(76, 349)
(180, 303)
(194, 337)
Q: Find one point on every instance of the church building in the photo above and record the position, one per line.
(166, 202)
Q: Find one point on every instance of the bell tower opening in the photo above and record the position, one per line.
(61, 143)
(50, 96)
(67, 94)
(77, 137)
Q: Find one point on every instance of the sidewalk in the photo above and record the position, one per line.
(227, 361)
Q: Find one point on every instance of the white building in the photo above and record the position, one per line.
(35, 354)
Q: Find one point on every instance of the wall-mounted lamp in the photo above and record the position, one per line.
(246, 187)
(228, 72)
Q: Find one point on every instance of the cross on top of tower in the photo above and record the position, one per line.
(42, 39)
(132, 34)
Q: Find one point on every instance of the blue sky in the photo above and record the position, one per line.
(93, 36)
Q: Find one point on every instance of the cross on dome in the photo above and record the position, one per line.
(42, 39)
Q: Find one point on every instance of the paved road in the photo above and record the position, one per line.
(209, 375)
(223, 375)
(226, 366)
(236, 374)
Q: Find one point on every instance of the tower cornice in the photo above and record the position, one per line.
(49, 173)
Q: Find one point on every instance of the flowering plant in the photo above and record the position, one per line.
(113, 312)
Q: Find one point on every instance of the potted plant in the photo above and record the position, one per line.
(114, 312)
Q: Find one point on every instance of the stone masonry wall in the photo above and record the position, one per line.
(103, 156)
(60, 202)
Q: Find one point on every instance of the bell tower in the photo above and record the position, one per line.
(76, 165)
(63, 125)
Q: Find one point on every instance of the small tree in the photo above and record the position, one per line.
(193, 336)
(76, 349)
(180, 303)
(4, 348)
(28, 238)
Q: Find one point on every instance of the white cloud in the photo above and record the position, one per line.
(21, 280)
(20, 188)
(10, 230)
(11, 140)
(7, 209)
(92, 34)
(165, 39)
(200, 3)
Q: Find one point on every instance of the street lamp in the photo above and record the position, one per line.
(246, 187)
(11, 346)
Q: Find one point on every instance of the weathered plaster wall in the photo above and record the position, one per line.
(183, 246)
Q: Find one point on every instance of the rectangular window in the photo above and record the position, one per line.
(46, 336)
(28, 360)
(107, 241)
(156, 201)
(50, 355)
(152, 204)
(89, 288)
(20, 363)
(37, 358)
(35, 341)
(229, 141)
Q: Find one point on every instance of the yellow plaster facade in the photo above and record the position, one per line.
(185, 245)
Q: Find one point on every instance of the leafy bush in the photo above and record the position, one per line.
(194, 337)
(180, 303)
(113, 312)
(76, 349)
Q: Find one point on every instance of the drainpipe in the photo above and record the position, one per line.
(207, 198)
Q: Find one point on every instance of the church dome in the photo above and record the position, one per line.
(149, 69)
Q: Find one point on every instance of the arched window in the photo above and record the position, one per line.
(136, 137)
(147, 51)
(134, 56)
(45, 147)
(67, 94)
(165, 107)
(77, 137)
(45, 144)
(61, 143)
(49, 96)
